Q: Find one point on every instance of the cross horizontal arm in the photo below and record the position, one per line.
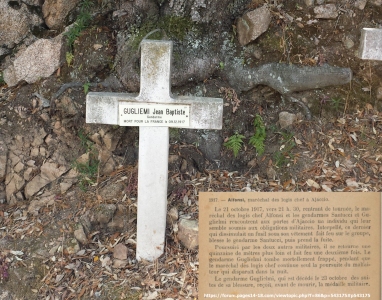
(205, 113)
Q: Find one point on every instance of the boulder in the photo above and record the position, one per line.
(56, 11)
(50, 171)
(16, 23)
(39, 60)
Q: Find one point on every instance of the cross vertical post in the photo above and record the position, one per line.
(153, 160)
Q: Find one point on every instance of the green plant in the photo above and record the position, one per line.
(1, 79)
(80, 24)
(336, 103)
(257, 140)
(284, 155)
(88, 167)
(234, 143)
(86, 87)
(69, 58)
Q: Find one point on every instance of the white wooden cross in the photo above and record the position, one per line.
(371, 44)
(154, 110)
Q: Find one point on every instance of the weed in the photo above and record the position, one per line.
(2, 82)
(88, 169)
(336, 104)
(80, 24)
(69, 58)
(234, 143)
(284, 155)
(86, 87)
(257, 140)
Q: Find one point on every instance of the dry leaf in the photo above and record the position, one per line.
(312, 183)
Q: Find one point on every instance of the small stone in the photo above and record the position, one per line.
(19, 167)
(271, 173)
(183, 166)
(65, 185)
(72, 247)
(309, 2)
(36, 204)
(252, 163)
(348, 43)
(31, 163)
(118, 223)
(35, 152)
(286, 119)
(188, 233)
(104, 212)
(172, 215)
(80, 235)
(2, 197)
(28, 173)
(327, 11)
(120, 252)
(360, 4)
(19, 196)
(110, 141)
(112, 191)
(83, 159)
(45, 117)
(253, 24)
(43, 152)
(119, 263)
(96, 138)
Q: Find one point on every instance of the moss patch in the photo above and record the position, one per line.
(171, 27)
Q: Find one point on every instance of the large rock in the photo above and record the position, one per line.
(38, 61)
(56, 11)
(50, 171)
(16, 22)
(14, 183)
(252, 24)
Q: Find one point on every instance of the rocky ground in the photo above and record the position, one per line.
(68, 189)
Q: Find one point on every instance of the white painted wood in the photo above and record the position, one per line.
(371, 44)
(205, 113)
